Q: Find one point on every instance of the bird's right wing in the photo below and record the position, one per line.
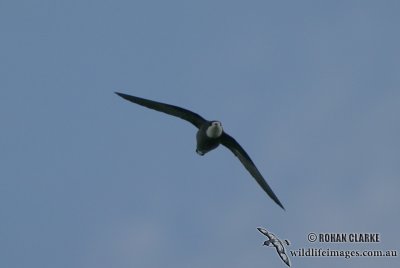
(263, 231)
(185, 114)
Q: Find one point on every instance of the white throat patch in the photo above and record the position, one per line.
(215, 130)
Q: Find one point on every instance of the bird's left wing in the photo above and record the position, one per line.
(240, 153)
(185, 114)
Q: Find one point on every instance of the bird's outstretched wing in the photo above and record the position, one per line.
(240, 153)
(267, 234)
(264, 232)
(187, 115)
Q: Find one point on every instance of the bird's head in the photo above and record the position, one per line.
(214, 130)
(267, 243)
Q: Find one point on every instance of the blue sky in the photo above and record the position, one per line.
(310, 90)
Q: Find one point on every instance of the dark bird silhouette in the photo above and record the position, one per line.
(210, 134)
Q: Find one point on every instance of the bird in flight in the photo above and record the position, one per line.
(210, 134)
(273, 241)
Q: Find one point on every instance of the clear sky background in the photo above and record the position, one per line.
(311, 89)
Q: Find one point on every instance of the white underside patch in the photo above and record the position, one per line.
(214, 131)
